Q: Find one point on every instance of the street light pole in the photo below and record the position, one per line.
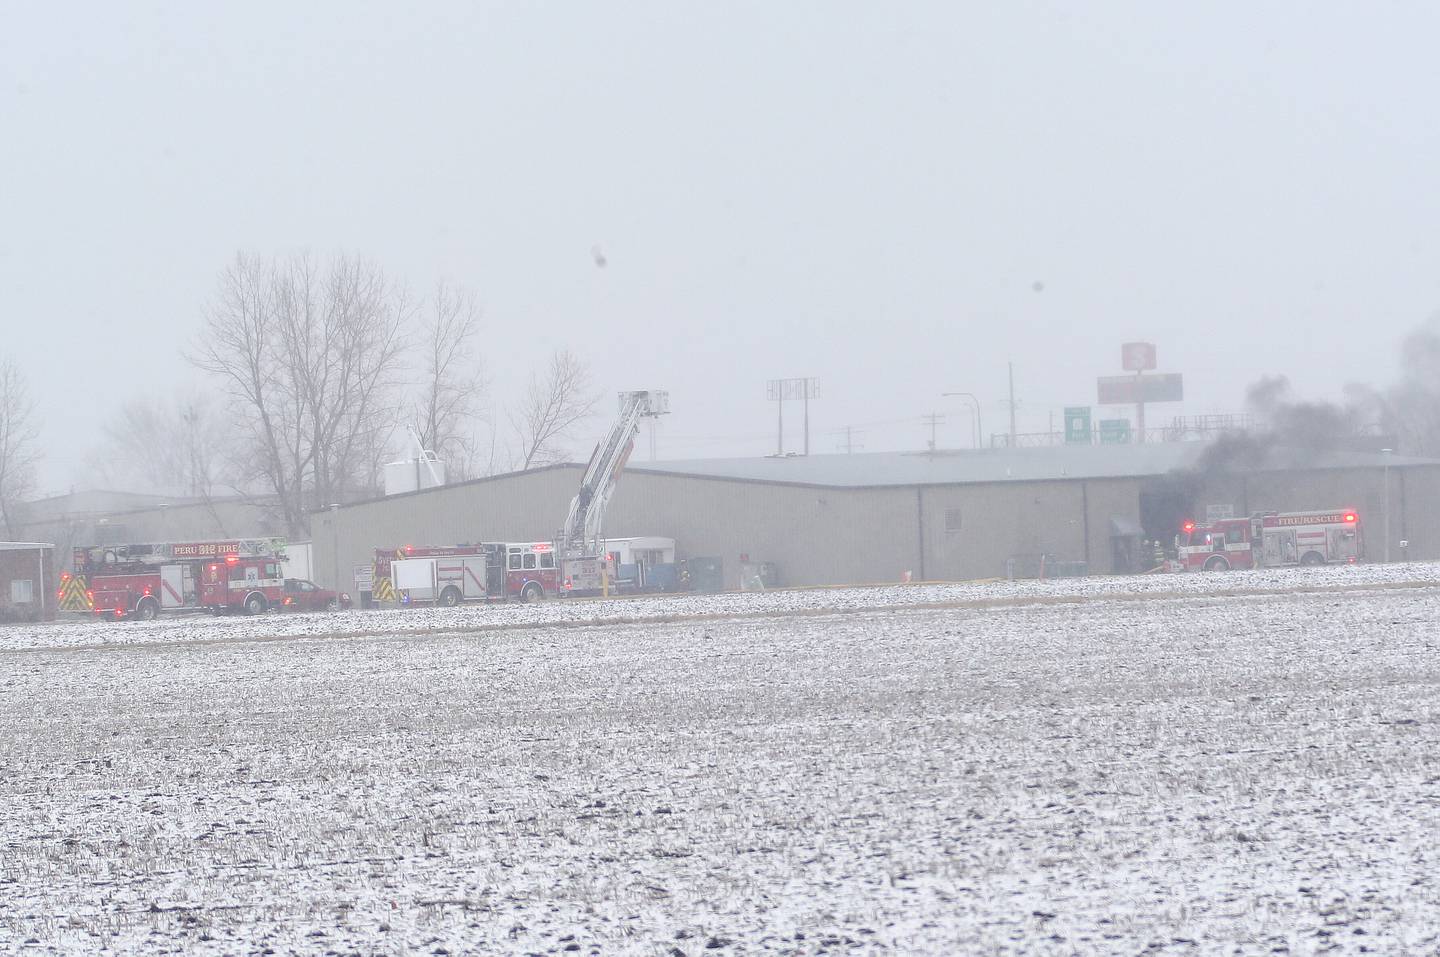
(979, 432)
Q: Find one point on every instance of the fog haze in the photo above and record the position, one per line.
(894, 198)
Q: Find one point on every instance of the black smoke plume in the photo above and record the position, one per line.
(1294, 434)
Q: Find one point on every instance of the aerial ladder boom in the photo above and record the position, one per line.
(581, 535)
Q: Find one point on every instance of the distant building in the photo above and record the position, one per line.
(102, 517)
(843, 519)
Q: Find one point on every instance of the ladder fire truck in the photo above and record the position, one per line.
(585, 566)
(576, 562)
(142, 580)
(1270, 539)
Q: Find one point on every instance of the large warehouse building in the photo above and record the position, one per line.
(841, 519)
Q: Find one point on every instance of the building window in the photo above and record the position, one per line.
(22, 591)
(952, 520)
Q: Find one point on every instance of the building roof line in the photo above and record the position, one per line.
(449, 485)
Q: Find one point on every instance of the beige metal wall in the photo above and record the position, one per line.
(836, 536)
(520, 507)
(816, 535)
(1068, 520)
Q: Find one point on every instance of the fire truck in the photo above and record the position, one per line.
(251, 585)
(1271, 539)
(443, 574)
(142, 580)
(450, 574)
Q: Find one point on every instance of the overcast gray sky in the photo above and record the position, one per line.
(864, 192)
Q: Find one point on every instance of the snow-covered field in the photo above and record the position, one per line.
(1248, 761)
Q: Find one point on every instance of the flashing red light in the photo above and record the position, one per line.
(1351, 517)
(147, 591)
(1188, 527)
(90, 595)
(214, 568)
(64, 576)
(409, 549)
(231, 559)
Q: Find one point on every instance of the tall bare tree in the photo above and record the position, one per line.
(312, 354)
(19, 444)
(551, 408)
(177, 445)
(449, 407)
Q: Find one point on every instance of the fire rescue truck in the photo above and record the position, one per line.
(517, 571)
(251, 585)
(443, 574)
(1270, 539)
(450, 574)
(142, 580)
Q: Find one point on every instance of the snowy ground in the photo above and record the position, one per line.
(1169, 763)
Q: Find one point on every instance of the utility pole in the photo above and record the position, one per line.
(848, 445)
(932, 420)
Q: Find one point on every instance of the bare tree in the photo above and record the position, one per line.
(311, 354)
(448, 410)
(19, 450)
(551, 408)
(178, 445)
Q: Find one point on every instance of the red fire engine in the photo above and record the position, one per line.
(1270, 539)
(530, 572)
(251, 585)
(141, 580)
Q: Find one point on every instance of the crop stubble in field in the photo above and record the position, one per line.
(1111, 775)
